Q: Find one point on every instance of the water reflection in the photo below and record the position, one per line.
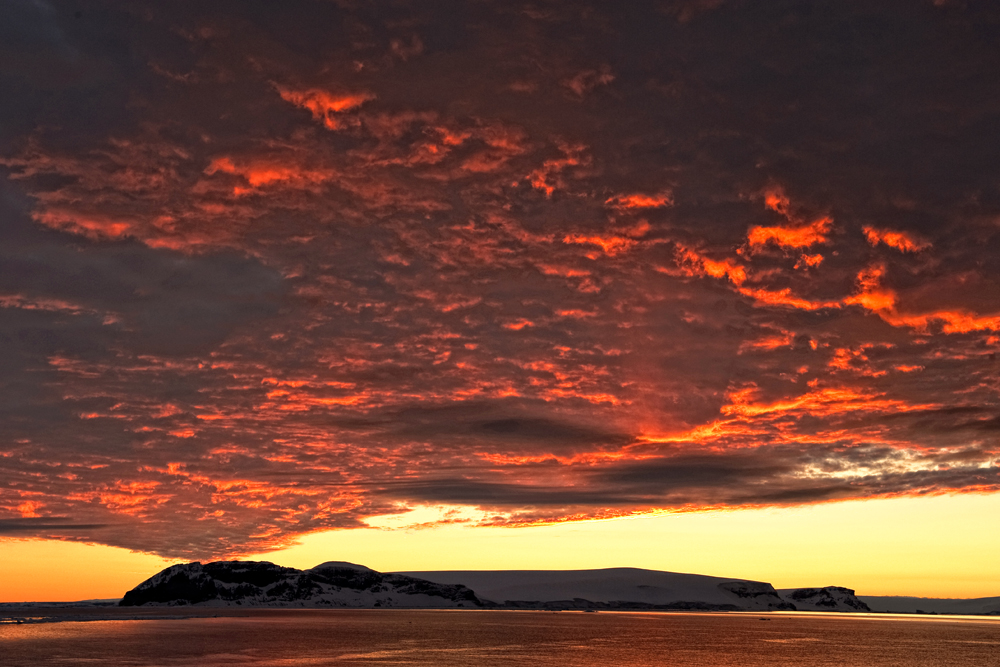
(396, 637)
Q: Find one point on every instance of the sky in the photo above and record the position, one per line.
(681, 284)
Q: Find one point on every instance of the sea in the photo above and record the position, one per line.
(483, 638)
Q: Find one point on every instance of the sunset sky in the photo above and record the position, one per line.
(695, 285)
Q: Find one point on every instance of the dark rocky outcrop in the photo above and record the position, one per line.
(251, 583)
(828, 598)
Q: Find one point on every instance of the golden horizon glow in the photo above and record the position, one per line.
(865, 545)
(33, 570)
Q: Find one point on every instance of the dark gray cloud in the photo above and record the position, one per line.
(59, 524)
(272, 269)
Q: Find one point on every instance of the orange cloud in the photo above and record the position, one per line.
(901, 241)
(575, 313)
(549, 177)
(817, 401)
(952, 321)
(769, 343)
(747, 420)
(800, 236)
(259, 173)
(519, 324)
(882, 301)
(135, 498)
(857, 360)
(871, 295)
(611, 245)
(776, 201)
(562, 271)
(809, 261)
(658, 200)
(324, 105)
(784, 297)
(693, 263)
(91, 225)
(29, 508)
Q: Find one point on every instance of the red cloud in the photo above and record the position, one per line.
(777, 201)
(550, 176)
(785, 298)
(871, 294)
(611, 245)
(262, 172)
(658, 200)
(791, 236)
(324, 105)
(884, 302)
(901, 241)
(694, 263)
(798, 234)
(93, 225)
(809, 261)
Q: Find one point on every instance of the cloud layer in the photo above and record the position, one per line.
(274, 270)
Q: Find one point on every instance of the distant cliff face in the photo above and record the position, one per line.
(756, 596)
(262, 584)
(829, 598)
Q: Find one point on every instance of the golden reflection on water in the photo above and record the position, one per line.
(483, 638)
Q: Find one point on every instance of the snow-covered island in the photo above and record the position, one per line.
(346, 585)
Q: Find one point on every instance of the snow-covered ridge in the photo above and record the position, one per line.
(612, 588)
(338, 584)
(263, 584)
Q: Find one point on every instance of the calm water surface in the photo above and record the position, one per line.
(397, 637)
